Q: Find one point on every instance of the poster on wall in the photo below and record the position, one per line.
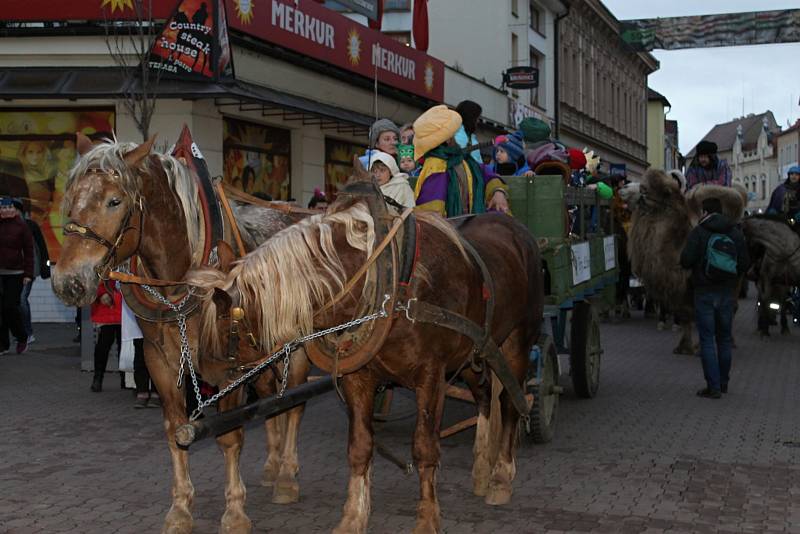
(338, 164)
(194, 42)
(256, 159)
(37, 151)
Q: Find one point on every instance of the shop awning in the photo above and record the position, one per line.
(109, 82)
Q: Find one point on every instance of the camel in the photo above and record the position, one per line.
(775, 247)
(662, 217)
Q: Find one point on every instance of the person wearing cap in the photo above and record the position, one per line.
(384, 135)
(449, 183)
(465, 135)
(393, 183)
(707, 167)
(785, 199)
(405, 160)
(16, 270)
(41, 267)
(508, 151)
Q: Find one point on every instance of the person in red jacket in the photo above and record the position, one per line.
(16, 270)
(107, 314)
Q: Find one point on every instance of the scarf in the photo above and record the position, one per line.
(454, 156)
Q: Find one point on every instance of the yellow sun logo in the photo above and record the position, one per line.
(353, 47)
(428, 77)
(244, 10)
(117, 4)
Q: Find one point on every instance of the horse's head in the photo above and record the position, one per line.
(103, 210)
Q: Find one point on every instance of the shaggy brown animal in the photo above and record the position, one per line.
(659, 227)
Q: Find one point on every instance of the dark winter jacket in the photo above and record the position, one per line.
(694, 253)
(41, 257)
(16, 246)
(779, 203)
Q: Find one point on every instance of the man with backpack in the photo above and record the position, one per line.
(716, 253)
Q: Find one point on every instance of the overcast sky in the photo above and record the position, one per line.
(709, 86)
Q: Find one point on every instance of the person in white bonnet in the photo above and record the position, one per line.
(394, 184)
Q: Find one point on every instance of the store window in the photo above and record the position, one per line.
(37, 151)
(257, 158)
(339, 163)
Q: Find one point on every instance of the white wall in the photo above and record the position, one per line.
(45, 306)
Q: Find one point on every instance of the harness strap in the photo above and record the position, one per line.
(398, 223)
(241, 196)
(234, 227)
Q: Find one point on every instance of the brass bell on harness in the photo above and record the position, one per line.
(237, 313)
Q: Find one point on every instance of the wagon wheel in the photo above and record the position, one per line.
(545, 391)
(585, 350)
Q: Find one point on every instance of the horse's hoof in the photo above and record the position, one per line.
(269, 476)
(286, 492)
(177, 522)
(350, 526)
(235, 523)
(498, 494)
(480, 486)
(426, 527)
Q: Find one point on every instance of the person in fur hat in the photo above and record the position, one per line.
(384, 135)
(449, 183)
(707, 167)
(786, 197)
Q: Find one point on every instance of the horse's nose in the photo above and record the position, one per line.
(73, 289)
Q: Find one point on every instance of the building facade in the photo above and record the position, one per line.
(477, 41)
(788, 147)
(602, 87)
(657, 108)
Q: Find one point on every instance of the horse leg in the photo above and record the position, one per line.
(430, 403)
(287, 489)
(173, 405)
(359, 394)
(265, 387)
(504, 470)
(234, 519)
(481, 449)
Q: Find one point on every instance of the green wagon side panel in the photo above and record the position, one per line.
(539, 203)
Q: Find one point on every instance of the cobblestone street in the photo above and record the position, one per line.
(646, 455)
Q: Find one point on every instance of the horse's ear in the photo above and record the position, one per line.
(222, 300)
(360, 174)
(226, 256)
(135, 156)
(83, 143)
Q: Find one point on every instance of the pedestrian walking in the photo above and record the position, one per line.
(41, 267)
(16, 270)
(716, 253)
(707, 167)
(107, 315)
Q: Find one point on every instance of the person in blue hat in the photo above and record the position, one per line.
(508, 152)
(786, 197)
(16, 270)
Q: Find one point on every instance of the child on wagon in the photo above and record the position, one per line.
(393, 183)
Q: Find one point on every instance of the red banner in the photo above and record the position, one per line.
(318, 32)
(194, 42)
(62, 10)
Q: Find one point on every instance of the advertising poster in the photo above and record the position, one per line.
(338, 164)
(257, 158)
(37, 151)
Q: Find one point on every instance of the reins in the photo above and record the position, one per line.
(398, 222)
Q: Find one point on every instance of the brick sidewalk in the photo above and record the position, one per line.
(646, 455)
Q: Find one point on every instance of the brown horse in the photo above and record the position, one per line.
(283, 288)
(123, 201)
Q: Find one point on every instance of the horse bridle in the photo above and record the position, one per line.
(109, 260)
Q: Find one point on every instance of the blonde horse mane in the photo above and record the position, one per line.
(283, 281)
(110, 156)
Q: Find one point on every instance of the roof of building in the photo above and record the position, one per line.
(652, 94)
(793, 128)
(724, 135)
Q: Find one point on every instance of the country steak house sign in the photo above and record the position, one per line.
(318, 32)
